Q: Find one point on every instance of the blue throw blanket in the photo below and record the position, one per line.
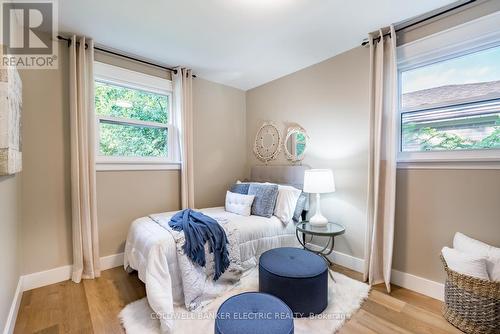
(198, 229)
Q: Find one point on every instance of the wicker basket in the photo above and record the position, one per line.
(471, 304)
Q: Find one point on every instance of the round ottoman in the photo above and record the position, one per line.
(296, 276)
(254, 313)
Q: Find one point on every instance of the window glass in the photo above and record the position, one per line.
(474, 76)
(467, 127)
(452, 104)
(126, 140)
(117, 101)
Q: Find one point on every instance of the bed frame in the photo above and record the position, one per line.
(291, 175)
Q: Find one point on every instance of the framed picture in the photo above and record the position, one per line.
(10, 122)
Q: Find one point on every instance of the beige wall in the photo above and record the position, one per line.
(220, 148)
(122, 196)
(330, 100)
(45, 195)
(432, 205)
(10, 222)
(219, 113)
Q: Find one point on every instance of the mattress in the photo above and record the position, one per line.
(147, 238)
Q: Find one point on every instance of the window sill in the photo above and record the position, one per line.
(448, 165)
(114, 166)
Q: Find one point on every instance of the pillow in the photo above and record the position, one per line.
(467, 264)
(240, 188)
(265, 199)
(239, 203)
(301, 204)
(468, 245)
(286, 203)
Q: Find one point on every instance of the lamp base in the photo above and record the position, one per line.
(318, 220)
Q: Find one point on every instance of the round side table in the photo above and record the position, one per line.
(330, 231)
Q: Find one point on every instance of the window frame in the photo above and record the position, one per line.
(471, 37)
(118, 76)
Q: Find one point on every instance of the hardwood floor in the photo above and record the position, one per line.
(93, 306)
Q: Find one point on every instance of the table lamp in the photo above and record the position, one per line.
(318, 181)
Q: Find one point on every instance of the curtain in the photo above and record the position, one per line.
(183, 121)
(83, 185)
(382, 158)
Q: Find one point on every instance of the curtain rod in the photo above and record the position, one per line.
(68, 40)
(405, 26)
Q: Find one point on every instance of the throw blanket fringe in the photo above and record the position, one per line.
(198, 230)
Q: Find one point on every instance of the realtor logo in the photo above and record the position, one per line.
(28, 34)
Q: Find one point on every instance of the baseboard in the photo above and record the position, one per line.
(112, 261)
(10, 323)
(408, 281)
(32, 281)
(342, 259)
(60, 274)
(348, 261)
(418, 284)
(47, 277)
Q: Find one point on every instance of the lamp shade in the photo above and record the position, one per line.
(318, 181)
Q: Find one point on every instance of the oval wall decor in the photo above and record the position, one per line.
(267, 142)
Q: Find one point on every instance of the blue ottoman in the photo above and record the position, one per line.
(296, 276)
(254, 313)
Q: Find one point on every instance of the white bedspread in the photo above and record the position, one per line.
(151, 250)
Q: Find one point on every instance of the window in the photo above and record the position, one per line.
(133, 123)
(449, 97)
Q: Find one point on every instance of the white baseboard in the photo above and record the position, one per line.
(408, 281)
(10, 323)
(47, 277)
(60, 274)
(418, 284)
(32, 281)
(348, 261)
(111, 261)
(342, 259)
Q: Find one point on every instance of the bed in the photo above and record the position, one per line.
(151, 250)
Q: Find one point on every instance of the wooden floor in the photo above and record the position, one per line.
(93, 306)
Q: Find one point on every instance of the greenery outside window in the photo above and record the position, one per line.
(133, 120)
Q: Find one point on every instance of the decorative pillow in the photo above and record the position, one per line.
(239, 203)
(265, 199)
(240, 188)
(466, 244)
(467, 264)
(299, 207)
(286, 203)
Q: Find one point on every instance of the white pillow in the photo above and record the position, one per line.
(286, 203)
(468, 245)
(239, 203)
(467, 264)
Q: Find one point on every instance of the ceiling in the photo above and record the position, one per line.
(240, 43)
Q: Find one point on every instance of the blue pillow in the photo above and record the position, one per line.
(301, 203)
(240, 188)
(265, 199)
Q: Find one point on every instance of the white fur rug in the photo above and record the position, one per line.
(345, 297)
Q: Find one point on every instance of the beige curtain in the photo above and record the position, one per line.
(83, 189)
(382, 159)
(183, 120)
